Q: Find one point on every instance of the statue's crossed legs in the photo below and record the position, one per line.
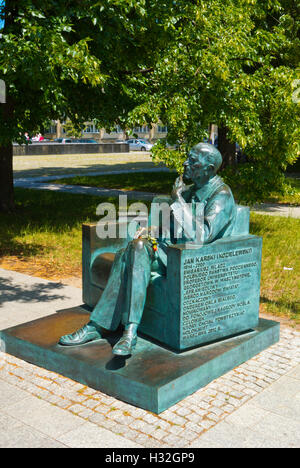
(123, 299)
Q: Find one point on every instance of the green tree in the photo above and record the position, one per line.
(187, 63)
(72, 130)
(232, 63)
(38, 61)
(71, 58)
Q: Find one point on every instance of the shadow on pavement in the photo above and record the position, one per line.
(39, 292)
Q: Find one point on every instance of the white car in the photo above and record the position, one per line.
(137, 144)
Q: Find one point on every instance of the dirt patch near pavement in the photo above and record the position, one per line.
(284, 322)
(73, 281)
(40, 268)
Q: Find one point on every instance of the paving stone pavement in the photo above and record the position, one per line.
(242, 408)
(277, 209)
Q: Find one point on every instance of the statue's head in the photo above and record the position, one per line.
(203, 163)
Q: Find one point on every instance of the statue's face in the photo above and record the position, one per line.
(197, 169)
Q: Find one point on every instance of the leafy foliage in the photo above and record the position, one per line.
(231, 63)
(38, 61)
(185, 63)
(72, 130)
(82, 60)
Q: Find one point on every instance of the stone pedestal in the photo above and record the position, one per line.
(209, 293)
(154, 378)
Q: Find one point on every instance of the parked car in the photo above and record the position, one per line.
(72, 140)
(85, 140)
(137, 144)
(63, 140)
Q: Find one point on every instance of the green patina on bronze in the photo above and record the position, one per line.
(196, 307)
(126, 281)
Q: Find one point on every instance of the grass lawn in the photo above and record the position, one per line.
(162, 182)
(280, 287)
(43, 238)
(292, 198)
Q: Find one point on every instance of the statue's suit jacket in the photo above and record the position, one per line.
(219, 216)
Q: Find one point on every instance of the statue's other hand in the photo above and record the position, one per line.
(141, 232)
(178, 188)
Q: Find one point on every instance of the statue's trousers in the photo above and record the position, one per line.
(124, 297)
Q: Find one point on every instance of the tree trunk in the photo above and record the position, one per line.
(226, 147)
(6, 148)
(6, 162)
(6, 179)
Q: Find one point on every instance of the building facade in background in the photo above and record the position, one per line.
(151, 133)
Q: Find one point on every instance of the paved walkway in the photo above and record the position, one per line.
(269, 420)
(44, 183)
(255, 405)
(276, 209)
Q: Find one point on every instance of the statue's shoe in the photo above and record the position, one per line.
(84, 335)
(125, 345)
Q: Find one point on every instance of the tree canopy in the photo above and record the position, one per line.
(186, 63)
(234, 64)
(69, 58)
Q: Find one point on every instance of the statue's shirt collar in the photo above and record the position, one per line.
(207, 191)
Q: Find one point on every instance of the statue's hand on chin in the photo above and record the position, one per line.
(178, 188)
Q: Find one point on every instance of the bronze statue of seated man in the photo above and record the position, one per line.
(131, 271)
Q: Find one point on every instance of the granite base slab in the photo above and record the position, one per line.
(154, 378)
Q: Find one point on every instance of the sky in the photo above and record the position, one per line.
(2, 3)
